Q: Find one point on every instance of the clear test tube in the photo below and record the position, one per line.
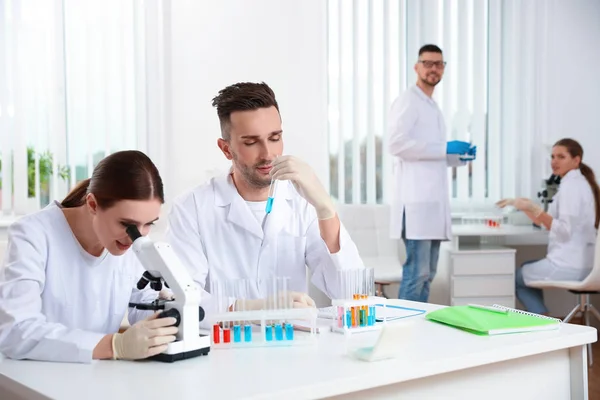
(217, 298)
(361, 295)
(371, 293)
(340, 317)
(247, 324)
(237, 329)
(227, 324)
(348, 296)
(271, 197)
(354, 284)
(280, 296)
(269, 306)
(287, 305)
(364, 310)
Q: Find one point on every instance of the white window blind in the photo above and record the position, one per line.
(72, 90)
(372, 48)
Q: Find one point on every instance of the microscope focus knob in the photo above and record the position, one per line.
(171, 312)
(201, 314)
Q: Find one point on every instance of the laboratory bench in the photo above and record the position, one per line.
(438, 362)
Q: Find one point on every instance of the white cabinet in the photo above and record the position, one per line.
(475, 273)
(477, 266)
(482, 275)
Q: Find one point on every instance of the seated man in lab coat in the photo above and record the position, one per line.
(222, 231)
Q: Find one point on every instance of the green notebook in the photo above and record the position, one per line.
(486, 322)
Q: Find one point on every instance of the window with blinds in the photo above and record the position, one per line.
(72, 90)
(372, 48)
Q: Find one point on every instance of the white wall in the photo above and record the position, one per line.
(573, 84)
(217, 43)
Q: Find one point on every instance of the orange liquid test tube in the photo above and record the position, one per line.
(354, 312)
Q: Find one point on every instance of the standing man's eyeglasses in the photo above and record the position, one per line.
(429, 64)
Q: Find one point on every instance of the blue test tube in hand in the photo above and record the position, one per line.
(271, 197)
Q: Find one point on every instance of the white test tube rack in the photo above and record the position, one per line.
(265, 320)
(347, 318)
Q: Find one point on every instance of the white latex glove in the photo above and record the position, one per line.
(145, 338)
(306, 182)
(295, 299)
(166, 294)
(505, 202)
(522, 204)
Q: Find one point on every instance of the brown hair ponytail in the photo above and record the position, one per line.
(589, 175)
(76, 196)
(575, 150)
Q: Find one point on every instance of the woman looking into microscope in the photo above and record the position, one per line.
(68, 277)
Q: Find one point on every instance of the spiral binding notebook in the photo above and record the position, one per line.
(486, 322)
(526, 313)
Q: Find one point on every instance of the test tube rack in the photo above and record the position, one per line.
(358, 315)
(260, 328)
(492, 221)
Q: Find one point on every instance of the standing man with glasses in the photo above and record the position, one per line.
(421, 204)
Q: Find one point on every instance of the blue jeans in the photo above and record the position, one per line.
(419, 269)
(531, 298)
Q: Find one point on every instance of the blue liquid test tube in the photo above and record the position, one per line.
(271, 197)
(349, 319)
(372, 315)
(237, 333)
(278, 332)
(289, 331)
(269, 333)
(247, 333)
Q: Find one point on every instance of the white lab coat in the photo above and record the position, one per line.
(572, 235)
(56, 300)
(214, 232)
(417, 140)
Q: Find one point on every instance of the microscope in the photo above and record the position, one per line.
(161, 263)
(550, 188)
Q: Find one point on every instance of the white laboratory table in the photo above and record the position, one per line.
(478, 265)
(438, 362)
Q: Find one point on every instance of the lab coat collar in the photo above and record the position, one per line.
(239, 214)
(572, 174)
(422, 94)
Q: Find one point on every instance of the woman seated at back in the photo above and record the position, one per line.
(572, 220)
(68, 276)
